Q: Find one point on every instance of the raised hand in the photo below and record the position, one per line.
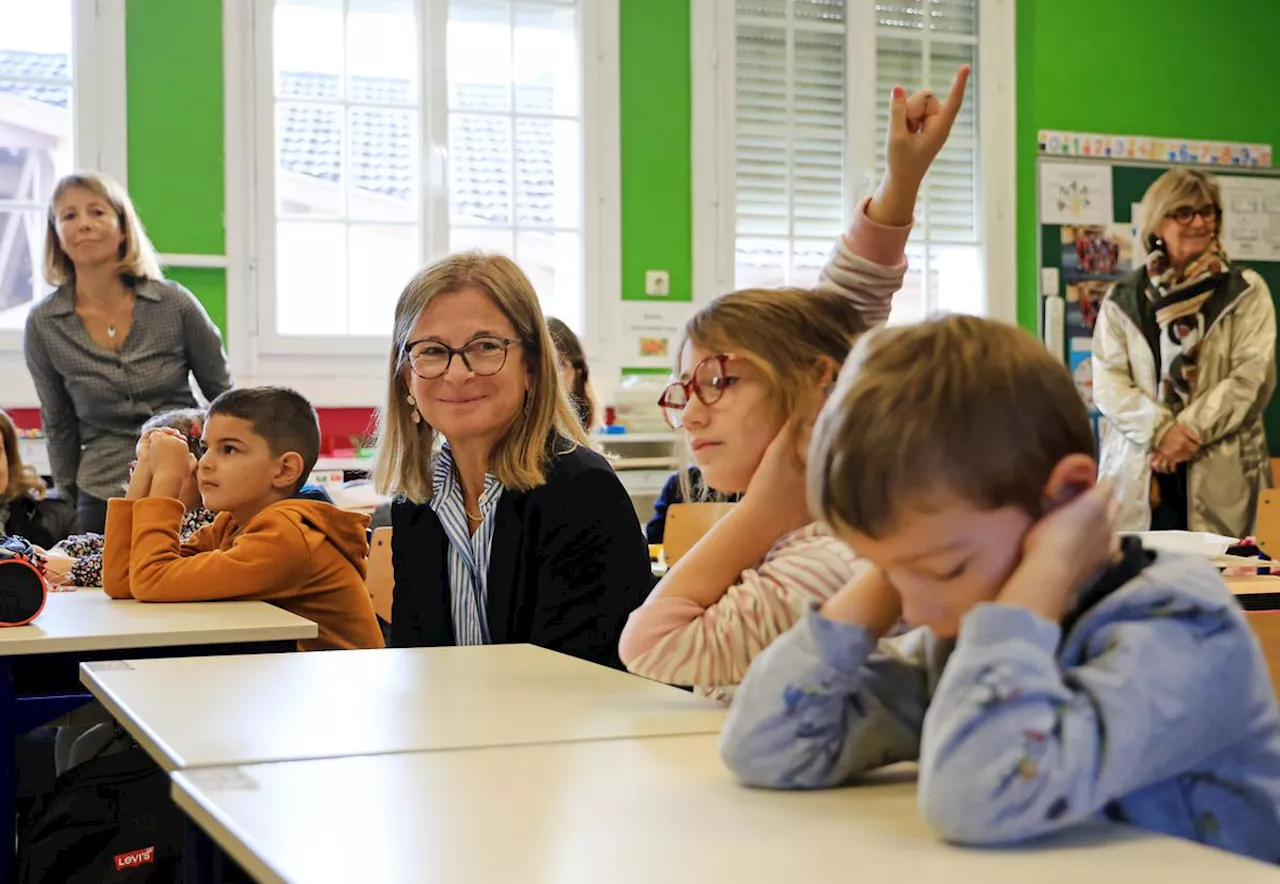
(918, 128)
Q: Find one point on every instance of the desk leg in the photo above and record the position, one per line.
(8, 774)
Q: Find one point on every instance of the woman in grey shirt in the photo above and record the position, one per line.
(113, 345)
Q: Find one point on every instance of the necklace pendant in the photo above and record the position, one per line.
(111, 331)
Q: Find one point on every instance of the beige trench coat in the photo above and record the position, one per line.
(1236, 379)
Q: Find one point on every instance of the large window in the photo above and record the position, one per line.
(391, 132)
(54, 116)
(803, 139)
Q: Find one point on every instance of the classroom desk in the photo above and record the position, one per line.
(39, 662)
(284, 707)
(648, 810)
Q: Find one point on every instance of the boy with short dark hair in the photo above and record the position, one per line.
(1082, 677)
(306, 556)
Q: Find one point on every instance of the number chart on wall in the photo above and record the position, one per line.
(1088, 220)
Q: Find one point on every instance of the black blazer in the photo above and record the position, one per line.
(568, 564)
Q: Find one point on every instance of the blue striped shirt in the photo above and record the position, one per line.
(468, 553)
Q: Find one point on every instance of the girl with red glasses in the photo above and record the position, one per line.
(754, 368)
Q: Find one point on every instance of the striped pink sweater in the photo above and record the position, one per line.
(677, 641)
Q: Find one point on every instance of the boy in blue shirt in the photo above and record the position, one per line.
(1053, 674)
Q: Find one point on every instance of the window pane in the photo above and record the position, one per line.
(309, 157)
(479, 55)
(949, 197)
(383, 171)
(553, 263)
(35, 98)
(548, 172)
(948, 16)
(944, 60)
(41, 28)
(381, 259)
(820, 10)
(382, 52)
(958, 279)
(546, 60)
(760, 263)
(771, 8)
(35, 142)
(808, 257)
(21, 265)
(311, 269)
(308, 48)
(500, 242)
(479, 169)
(909, 303)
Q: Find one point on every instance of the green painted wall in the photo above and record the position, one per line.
(1219, 89)
(174, 68)
(176, 139)
(1172, 68)
(657, 226)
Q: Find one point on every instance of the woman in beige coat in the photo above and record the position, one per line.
(1184, 363)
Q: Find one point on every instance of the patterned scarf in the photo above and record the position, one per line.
(1178, 296)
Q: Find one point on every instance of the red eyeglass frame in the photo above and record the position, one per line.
(692, 388)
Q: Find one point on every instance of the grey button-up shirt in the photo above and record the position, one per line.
(92, 401)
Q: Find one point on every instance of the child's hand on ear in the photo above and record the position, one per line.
(777, 487)
(1062, 550)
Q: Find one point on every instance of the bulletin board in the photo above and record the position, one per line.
(1088, 239)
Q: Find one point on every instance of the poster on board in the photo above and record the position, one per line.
(651, 332)
(1250, 218)
(1093, 257)
(1075, 193)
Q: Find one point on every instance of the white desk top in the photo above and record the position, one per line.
(87, 620)
(200, 712)
(644, 811)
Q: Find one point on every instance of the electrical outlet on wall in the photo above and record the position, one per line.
(657, 283)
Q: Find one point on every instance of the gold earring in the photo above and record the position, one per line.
(413, 403)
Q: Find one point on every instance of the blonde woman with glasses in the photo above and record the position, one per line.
(114, 344)
(1184, 363)
(510, 529)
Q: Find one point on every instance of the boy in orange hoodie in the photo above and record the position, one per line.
(305, 556)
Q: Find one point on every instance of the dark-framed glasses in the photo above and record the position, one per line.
(1185, 214)
(708, 381)
(482, 356)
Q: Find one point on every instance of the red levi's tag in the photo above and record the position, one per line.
(135, 858)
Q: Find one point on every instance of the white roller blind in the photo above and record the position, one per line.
(790, 138)
(792, 186)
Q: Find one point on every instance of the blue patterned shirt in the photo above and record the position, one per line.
(468, 553)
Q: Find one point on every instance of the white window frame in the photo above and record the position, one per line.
(100, 135)
(351, 370)
(713, 53)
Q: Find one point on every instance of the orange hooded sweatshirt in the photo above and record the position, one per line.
(305, 556)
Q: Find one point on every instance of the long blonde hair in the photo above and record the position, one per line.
(137, 256)
(24, 481)
(520, 458)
